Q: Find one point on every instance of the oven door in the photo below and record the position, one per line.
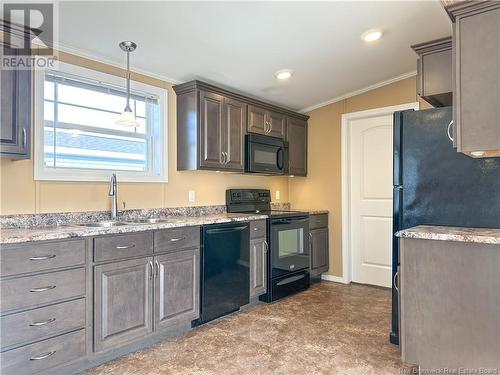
(265, 158)
(289, 245)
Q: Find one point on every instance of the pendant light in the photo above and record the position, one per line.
(127, 117)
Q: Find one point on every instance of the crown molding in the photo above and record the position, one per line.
(359, 91)
(77, 52)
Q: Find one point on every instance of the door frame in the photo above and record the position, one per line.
(346, 177)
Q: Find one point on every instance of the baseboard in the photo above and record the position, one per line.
(335, 279)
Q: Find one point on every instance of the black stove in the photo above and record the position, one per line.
(288, 258)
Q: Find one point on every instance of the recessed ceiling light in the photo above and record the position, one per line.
(477, 153)
(371, 35)
(283, 74)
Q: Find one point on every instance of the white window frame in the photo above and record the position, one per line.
(158, 152)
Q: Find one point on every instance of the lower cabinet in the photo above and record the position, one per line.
(177, 280)
(258, 267)
(319, 251)
(130, 295)
(123, 302)
(318, 242)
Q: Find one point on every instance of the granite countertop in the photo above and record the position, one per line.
(311, 211)
(56, 232)
(460, 234)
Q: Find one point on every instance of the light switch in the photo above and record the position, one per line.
(277, 195)
(191, 196)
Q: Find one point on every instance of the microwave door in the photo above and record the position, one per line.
(266, 158)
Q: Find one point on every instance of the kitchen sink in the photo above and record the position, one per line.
(104, 224)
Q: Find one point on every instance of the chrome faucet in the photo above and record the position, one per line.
(113, 192)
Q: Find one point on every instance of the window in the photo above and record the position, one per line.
(76, 135)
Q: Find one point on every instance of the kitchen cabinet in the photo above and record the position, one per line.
(234, 118)
(258, 258)
(296, 136)
(262, 121)
(177, 280)
(123, 293)
(318, 244)
(476, 51)
(212, 123)
(434, 72)
(222, 124)
(258, 267)
(15, 113)
(449, 303)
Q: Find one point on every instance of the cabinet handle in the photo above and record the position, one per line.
(39, 324)
(448, 130)
(157, 270)
(227, 157)
(43, 257)
(42, 356)
(266, 247)
(177, 239)
(126, 247)
(396, 276)
(150, 264)
(25, 138)
(43, 289)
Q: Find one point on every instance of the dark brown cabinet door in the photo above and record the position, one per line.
(123, 294)
(233, 132)
(15, 115)
(296, 135)
(477, 59)
(210, 152)
(319, 251)
(258, 267)
(257, 120)
(177, 288)
(276, 123)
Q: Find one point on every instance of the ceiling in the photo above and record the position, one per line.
(242, 44)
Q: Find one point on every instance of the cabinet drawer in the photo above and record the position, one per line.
(123, 246)
(30, 291)
(257, 229)
(43, 355)
(41, 256)
(177, 238)
(43, 322)
(318, 221)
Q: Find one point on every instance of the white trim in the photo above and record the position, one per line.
(86, 55)
(43, 174)
(345, 145)
(360, 91)
(335, 279)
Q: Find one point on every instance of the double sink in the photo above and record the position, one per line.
(118, 223)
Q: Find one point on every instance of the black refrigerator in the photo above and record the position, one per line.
(436, 185)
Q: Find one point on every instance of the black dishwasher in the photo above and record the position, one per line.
(225, 270)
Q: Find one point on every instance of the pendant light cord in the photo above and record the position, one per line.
(127, 108)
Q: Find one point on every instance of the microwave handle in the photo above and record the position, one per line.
(279, 160)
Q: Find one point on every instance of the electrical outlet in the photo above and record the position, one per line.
(191, 196)
(277, 195)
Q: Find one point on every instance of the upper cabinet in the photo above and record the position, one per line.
(15, 115)
(262, 121)
(296, 135)
(212, 123)
(476, 59)
(434, 72)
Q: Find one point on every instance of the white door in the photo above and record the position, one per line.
(370, 195)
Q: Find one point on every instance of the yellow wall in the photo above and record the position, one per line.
(19, 193)
(322, 187)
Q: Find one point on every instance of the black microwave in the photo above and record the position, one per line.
(264, 154)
